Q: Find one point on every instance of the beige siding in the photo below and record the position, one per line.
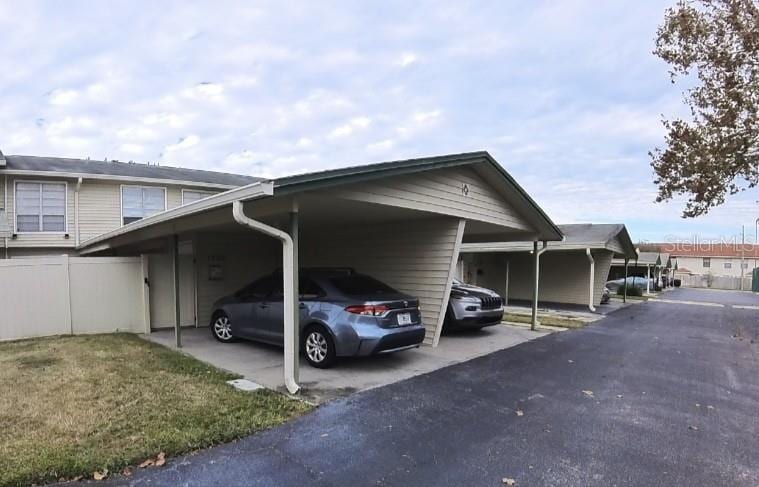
(458, 192)
(242, 259)
(99, 208)
(564, 275)
(414, 257)
(42, 239)
(173, 197)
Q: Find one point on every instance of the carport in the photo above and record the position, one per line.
(645, 264)
(402, 222)
(571, 271)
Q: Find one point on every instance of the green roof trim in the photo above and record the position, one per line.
(368, 172)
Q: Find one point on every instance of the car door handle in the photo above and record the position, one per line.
(263, 306)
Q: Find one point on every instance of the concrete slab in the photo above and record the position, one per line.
(263, 363)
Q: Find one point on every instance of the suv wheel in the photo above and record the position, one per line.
(221, 327)
(319, 347)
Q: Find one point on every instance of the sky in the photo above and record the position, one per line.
(566, 95)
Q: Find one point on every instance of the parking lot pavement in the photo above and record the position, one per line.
(654, 394)
(717, 296)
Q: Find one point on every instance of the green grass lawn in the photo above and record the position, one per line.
(70, 406)
(546, 320)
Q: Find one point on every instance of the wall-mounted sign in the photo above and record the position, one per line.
(465, 189)
(215, 267)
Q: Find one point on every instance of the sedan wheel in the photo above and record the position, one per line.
(320, 351)
(222, 329)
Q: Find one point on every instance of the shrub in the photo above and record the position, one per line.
(631, 291)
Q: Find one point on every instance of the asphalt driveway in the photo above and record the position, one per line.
(654, 394)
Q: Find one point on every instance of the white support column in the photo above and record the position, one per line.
(177, 306)
(449, 282)
(536, 282)
(648, 278)
(145, 293)
(592, 280)
(290, 287)
(506, 289)
(295, 235)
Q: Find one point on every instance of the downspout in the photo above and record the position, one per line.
(592, 279)
(288, 276)
(76, 210)
(536, 254)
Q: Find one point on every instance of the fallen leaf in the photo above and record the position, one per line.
(620, 396)
(77, 478)
(698, 405)
(127, 472)
(588, 393)
(160, 460)
(100, 475)
(520, 412)
(694, 428)
(571, 361)
(710, 407)
(147, 463)
(324, 435)
(509, 481)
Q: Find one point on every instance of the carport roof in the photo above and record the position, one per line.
(289, 185)
(644, 258)
(576, 237)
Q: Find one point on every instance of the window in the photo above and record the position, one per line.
(357, 284)
(40, 207)
(138, 202)
(262, 288)
(190, 195)
(728, 265)
(707, 262)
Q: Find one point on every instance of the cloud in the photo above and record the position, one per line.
(566, 95)
(204, 91)
(353, 124)
(63, 97)
(407, 59)
(182, 144)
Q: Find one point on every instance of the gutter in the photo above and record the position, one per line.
(115, 177)
(76, 210)
(288, 277)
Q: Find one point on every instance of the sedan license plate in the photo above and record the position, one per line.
(404, 319)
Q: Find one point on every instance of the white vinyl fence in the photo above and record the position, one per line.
(70, 295)
(715, 282)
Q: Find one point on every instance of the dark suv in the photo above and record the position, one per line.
(342, 313)
(472, 307)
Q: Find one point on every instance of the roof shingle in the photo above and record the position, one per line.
(125, 169)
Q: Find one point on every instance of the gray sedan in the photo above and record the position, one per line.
(342, 314)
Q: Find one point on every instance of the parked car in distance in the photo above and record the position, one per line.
(342, 314)
(606, 296)
(472, 307)
(632, 281)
